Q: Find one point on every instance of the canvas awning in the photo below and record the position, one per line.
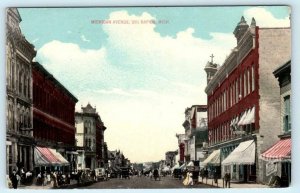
(44, 156)
(61, 159)
(183, 166)
(250, 118)
(280, 151)
(243, 154)
(175, 167)
(245, 114)
(213, 159)
(191, 163)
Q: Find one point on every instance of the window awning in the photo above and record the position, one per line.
(175, 167)
(245, 114)
(243, 154)
(44, 156)
(250, 118)
(213, 159)
(191, 164)
(280, 151)
(61, 159)
(183, 166)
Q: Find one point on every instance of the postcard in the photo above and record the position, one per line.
(148, 97)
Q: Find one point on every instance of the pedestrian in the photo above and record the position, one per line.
(14, 179)
(227, 179)
(188, 181)
(215, 175)
(39, 179)
(54, 176)
(191, 181)
(45, 179)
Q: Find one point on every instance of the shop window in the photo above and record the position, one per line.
(287, 116)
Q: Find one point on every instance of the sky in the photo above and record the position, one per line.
(141, 75)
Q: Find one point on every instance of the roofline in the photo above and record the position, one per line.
(40, 67)
(282, 68)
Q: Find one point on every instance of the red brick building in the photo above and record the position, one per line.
(53, 112)
(243, 98)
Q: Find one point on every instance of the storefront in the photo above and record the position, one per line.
(47, 159)
(277, 162)
(241, 162)
(213, 163)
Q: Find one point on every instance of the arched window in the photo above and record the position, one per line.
(25, 85)
(20, 82)
(253, 77)
(8, 63)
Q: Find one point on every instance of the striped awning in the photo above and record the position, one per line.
(279, 151)
(44, 156)
(213, 159)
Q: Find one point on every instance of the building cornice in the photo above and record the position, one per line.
(50, 77)
(244, 47)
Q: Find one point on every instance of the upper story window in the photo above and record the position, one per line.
(287, 115)
(253, 76)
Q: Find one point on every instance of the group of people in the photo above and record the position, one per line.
(155, 174)
(20, 176)
(56, 178)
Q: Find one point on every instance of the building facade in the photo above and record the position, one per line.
(181, 147)
(277, 159)
(171, 158)
(19, 135)
(243, 98)
(195, 135)
(90, 137)
(53, 115)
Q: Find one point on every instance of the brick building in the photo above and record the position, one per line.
(277, 159)
(53, 117)
(243, 99)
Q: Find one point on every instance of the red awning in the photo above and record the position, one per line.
(44, 156)
(280, 151)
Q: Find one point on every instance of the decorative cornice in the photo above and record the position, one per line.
(49, 76)
(245, 45)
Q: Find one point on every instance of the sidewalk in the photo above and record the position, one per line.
(233, 184)
(73, 184)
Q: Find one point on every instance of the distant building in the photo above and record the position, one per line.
(90, 136)
(195, 126)
(19, 135)
(181, 147)
(170, 158)
(243, 100)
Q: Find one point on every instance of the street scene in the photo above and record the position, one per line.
(148, 97)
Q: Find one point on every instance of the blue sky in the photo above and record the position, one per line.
(141, 77)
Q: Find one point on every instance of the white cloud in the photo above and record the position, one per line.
(265, 18)
(114, 91)
(70, 63)
(83, 38)
(35, 40)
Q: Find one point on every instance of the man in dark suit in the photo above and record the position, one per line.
(14, 179)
